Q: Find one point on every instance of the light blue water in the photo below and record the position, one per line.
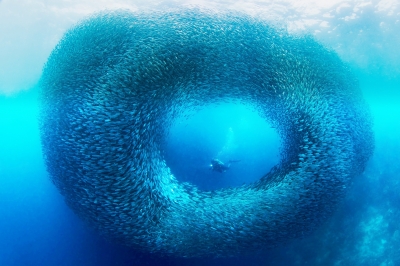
(37, 228)
(229, 131)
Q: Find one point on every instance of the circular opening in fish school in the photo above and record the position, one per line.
(230, 132)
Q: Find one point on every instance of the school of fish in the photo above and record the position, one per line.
(116, 81)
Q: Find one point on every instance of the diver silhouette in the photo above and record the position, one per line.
(217, 165)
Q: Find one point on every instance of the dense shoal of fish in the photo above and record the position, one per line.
(116, 81)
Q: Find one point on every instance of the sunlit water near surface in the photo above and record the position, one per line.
(37, 228)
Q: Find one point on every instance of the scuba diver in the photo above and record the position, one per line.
(217, 165)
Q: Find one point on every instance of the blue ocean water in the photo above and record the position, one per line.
(37, 228)
(228, 131)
